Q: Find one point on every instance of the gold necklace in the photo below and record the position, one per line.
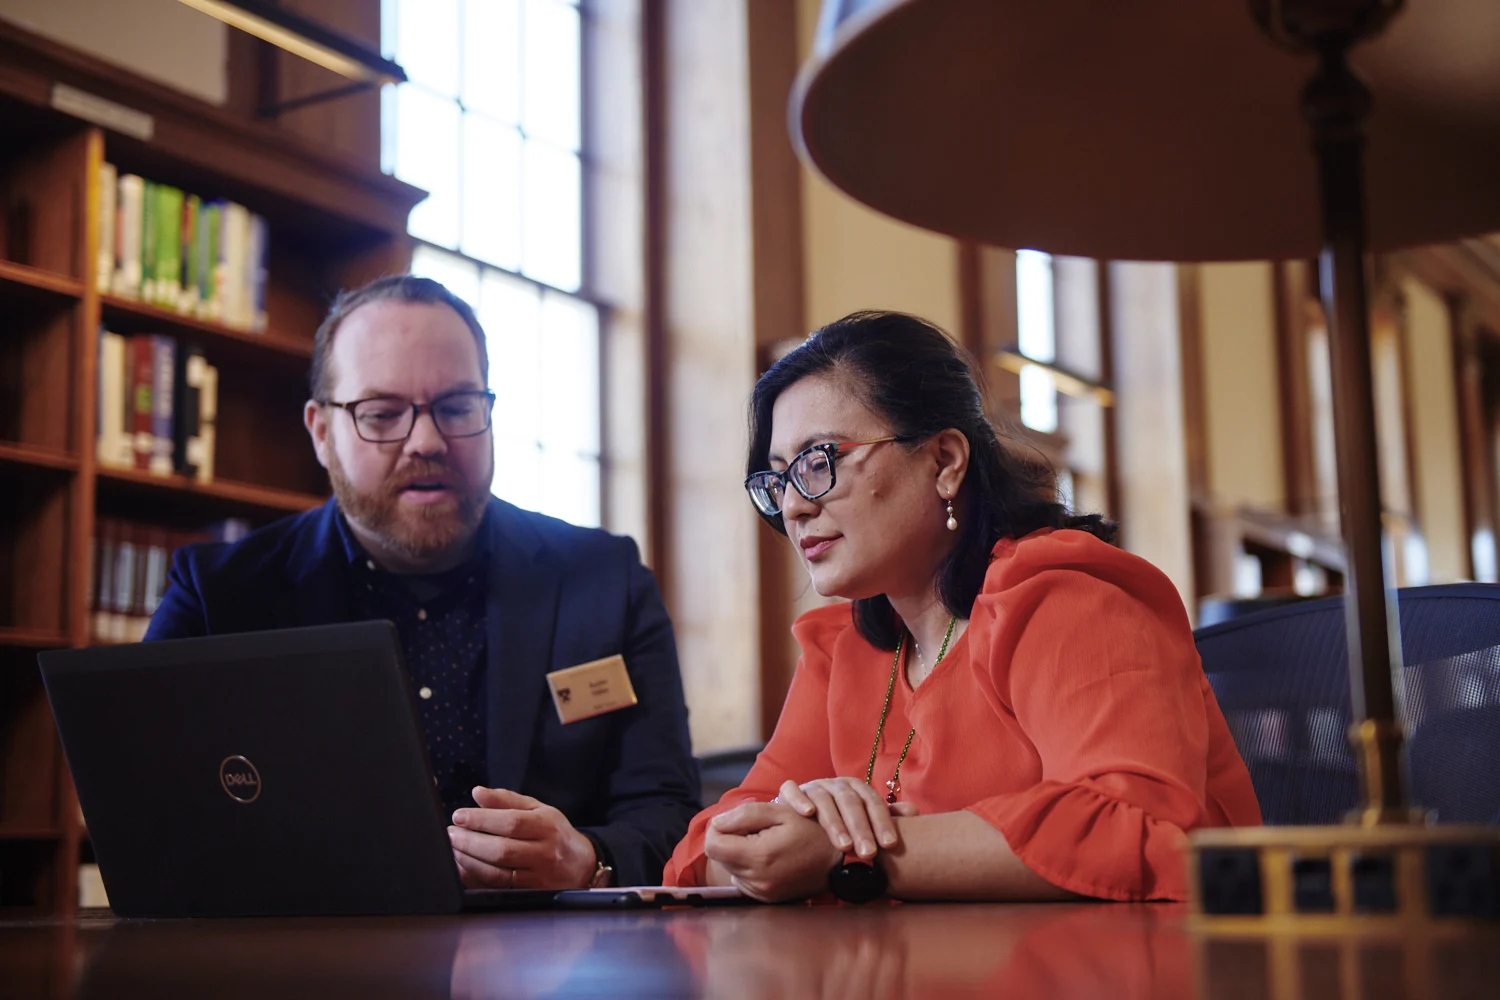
(894, 785)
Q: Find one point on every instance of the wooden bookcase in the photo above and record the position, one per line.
(333, 224)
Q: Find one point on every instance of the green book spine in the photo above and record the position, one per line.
(149, 209)
(169, 246)
(187, 296)
(210, 259)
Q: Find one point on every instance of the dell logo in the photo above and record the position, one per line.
(240, 779)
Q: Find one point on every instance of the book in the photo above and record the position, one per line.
(208, 412)
(164, 377)
(142, 376)
(169, 202)
(132, 199)
(132, 570)
(187, 293)
(135, 607)
(113, 447)
(154, 577)
(150, 233)
(123, 596)
(106, 188)
(187, 439)
(208, 257)
(175, 250)
(234, 238)
(255, 275)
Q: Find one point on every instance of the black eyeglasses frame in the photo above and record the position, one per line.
(417, 409)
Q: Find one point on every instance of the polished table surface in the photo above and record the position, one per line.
(787, 953)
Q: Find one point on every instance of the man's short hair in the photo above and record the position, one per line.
(391, 288)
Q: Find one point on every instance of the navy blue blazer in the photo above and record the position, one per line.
(559, 596)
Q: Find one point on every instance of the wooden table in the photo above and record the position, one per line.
(1122, 952)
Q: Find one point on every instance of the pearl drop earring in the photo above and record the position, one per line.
(952, 521)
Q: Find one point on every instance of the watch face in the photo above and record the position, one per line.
(857, 882)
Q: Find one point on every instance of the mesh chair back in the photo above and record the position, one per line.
(1282, 680)
(723, 770)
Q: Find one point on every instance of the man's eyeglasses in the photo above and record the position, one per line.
(387, 419)
(811, 474)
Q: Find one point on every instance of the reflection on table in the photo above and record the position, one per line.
(787, 953)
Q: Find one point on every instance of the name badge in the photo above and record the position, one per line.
(591, 689)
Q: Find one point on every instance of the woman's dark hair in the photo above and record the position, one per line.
(911, 373)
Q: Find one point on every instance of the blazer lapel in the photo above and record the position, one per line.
(317, 591)
(520, 618)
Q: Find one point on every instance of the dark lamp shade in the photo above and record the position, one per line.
(1143, 129)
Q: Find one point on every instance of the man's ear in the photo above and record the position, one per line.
(315, 418)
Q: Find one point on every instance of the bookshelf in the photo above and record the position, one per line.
(332, 223)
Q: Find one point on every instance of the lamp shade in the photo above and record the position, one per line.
(1143, 129)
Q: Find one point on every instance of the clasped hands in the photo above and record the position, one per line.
(784, 849)
(513, 841)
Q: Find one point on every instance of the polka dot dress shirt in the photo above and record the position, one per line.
(440, 619)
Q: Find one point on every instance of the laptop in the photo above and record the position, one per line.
(270, 773)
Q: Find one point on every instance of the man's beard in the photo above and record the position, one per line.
(416, 532)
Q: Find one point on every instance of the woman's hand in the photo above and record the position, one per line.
(770, 852)
(854, 815)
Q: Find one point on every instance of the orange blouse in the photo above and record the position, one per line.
(1072, 715)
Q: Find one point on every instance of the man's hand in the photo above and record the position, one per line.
(770, 852)
(513, 841)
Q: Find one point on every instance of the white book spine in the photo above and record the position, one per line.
(132, 202)
(236, 244)
(114, 444)
(208, 412)
(104, 267)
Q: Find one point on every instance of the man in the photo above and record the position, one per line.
(487, 599)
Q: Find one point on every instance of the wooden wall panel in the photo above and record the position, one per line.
(1241, 424)
(708, 316)
(1292, 287)
(1475, 440)
(1439, 466)
(1152, 433)
(779, 306)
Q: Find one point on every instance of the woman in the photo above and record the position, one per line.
(1012, 708)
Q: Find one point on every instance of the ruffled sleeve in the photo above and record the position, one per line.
(1090, 651)
(798, 750)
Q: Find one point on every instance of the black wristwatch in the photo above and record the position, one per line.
(857, 881)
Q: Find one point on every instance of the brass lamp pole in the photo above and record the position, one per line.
(1336, 104)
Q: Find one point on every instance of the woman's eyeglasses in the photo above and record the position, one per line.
(811, 474)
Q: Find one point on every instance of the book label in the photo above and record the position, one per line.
(103, 111)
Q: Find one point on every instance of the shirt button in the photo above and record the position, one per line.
(421, 614)
(370, 564)
(425, 693)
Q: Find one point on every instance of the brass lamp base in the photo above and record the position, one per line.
(1333, 879)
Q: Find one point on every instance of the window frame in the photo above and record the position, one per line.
(584, 293)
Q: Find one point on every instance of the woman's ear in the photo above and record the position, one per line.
(953, 461)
